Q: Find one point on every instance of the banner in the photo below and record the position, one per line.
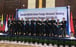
(58, 13)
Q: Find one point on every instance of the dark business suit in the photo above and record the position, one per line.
(63, 26)
(58, 29)
(27, 27)
(47, 27)
(53, 27)
(18, 27)
(33, 26)
(14, 27)
(25, 30)
(22, 27)
(38, 27)
(11, 28)
(42, 27)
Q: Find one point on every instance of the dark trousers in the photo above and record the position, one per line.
(64, 32)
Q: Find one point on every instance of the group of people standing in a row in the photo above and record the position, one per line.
(38, 27)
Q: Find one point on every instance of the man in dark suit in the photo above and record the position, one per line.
(63, 27)
(53, 26)
(27, 26)
(19, 27)
(14, 26)
(38, 27)
(11, 27)
(22, 26)
(58, 30)
(47, 27)
(42, 27)
(33, 26)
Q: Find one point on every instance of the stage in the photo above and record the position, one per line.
(49, 38)
(55, 38)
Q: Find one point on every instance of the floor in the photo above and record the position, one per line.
(14, 45)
